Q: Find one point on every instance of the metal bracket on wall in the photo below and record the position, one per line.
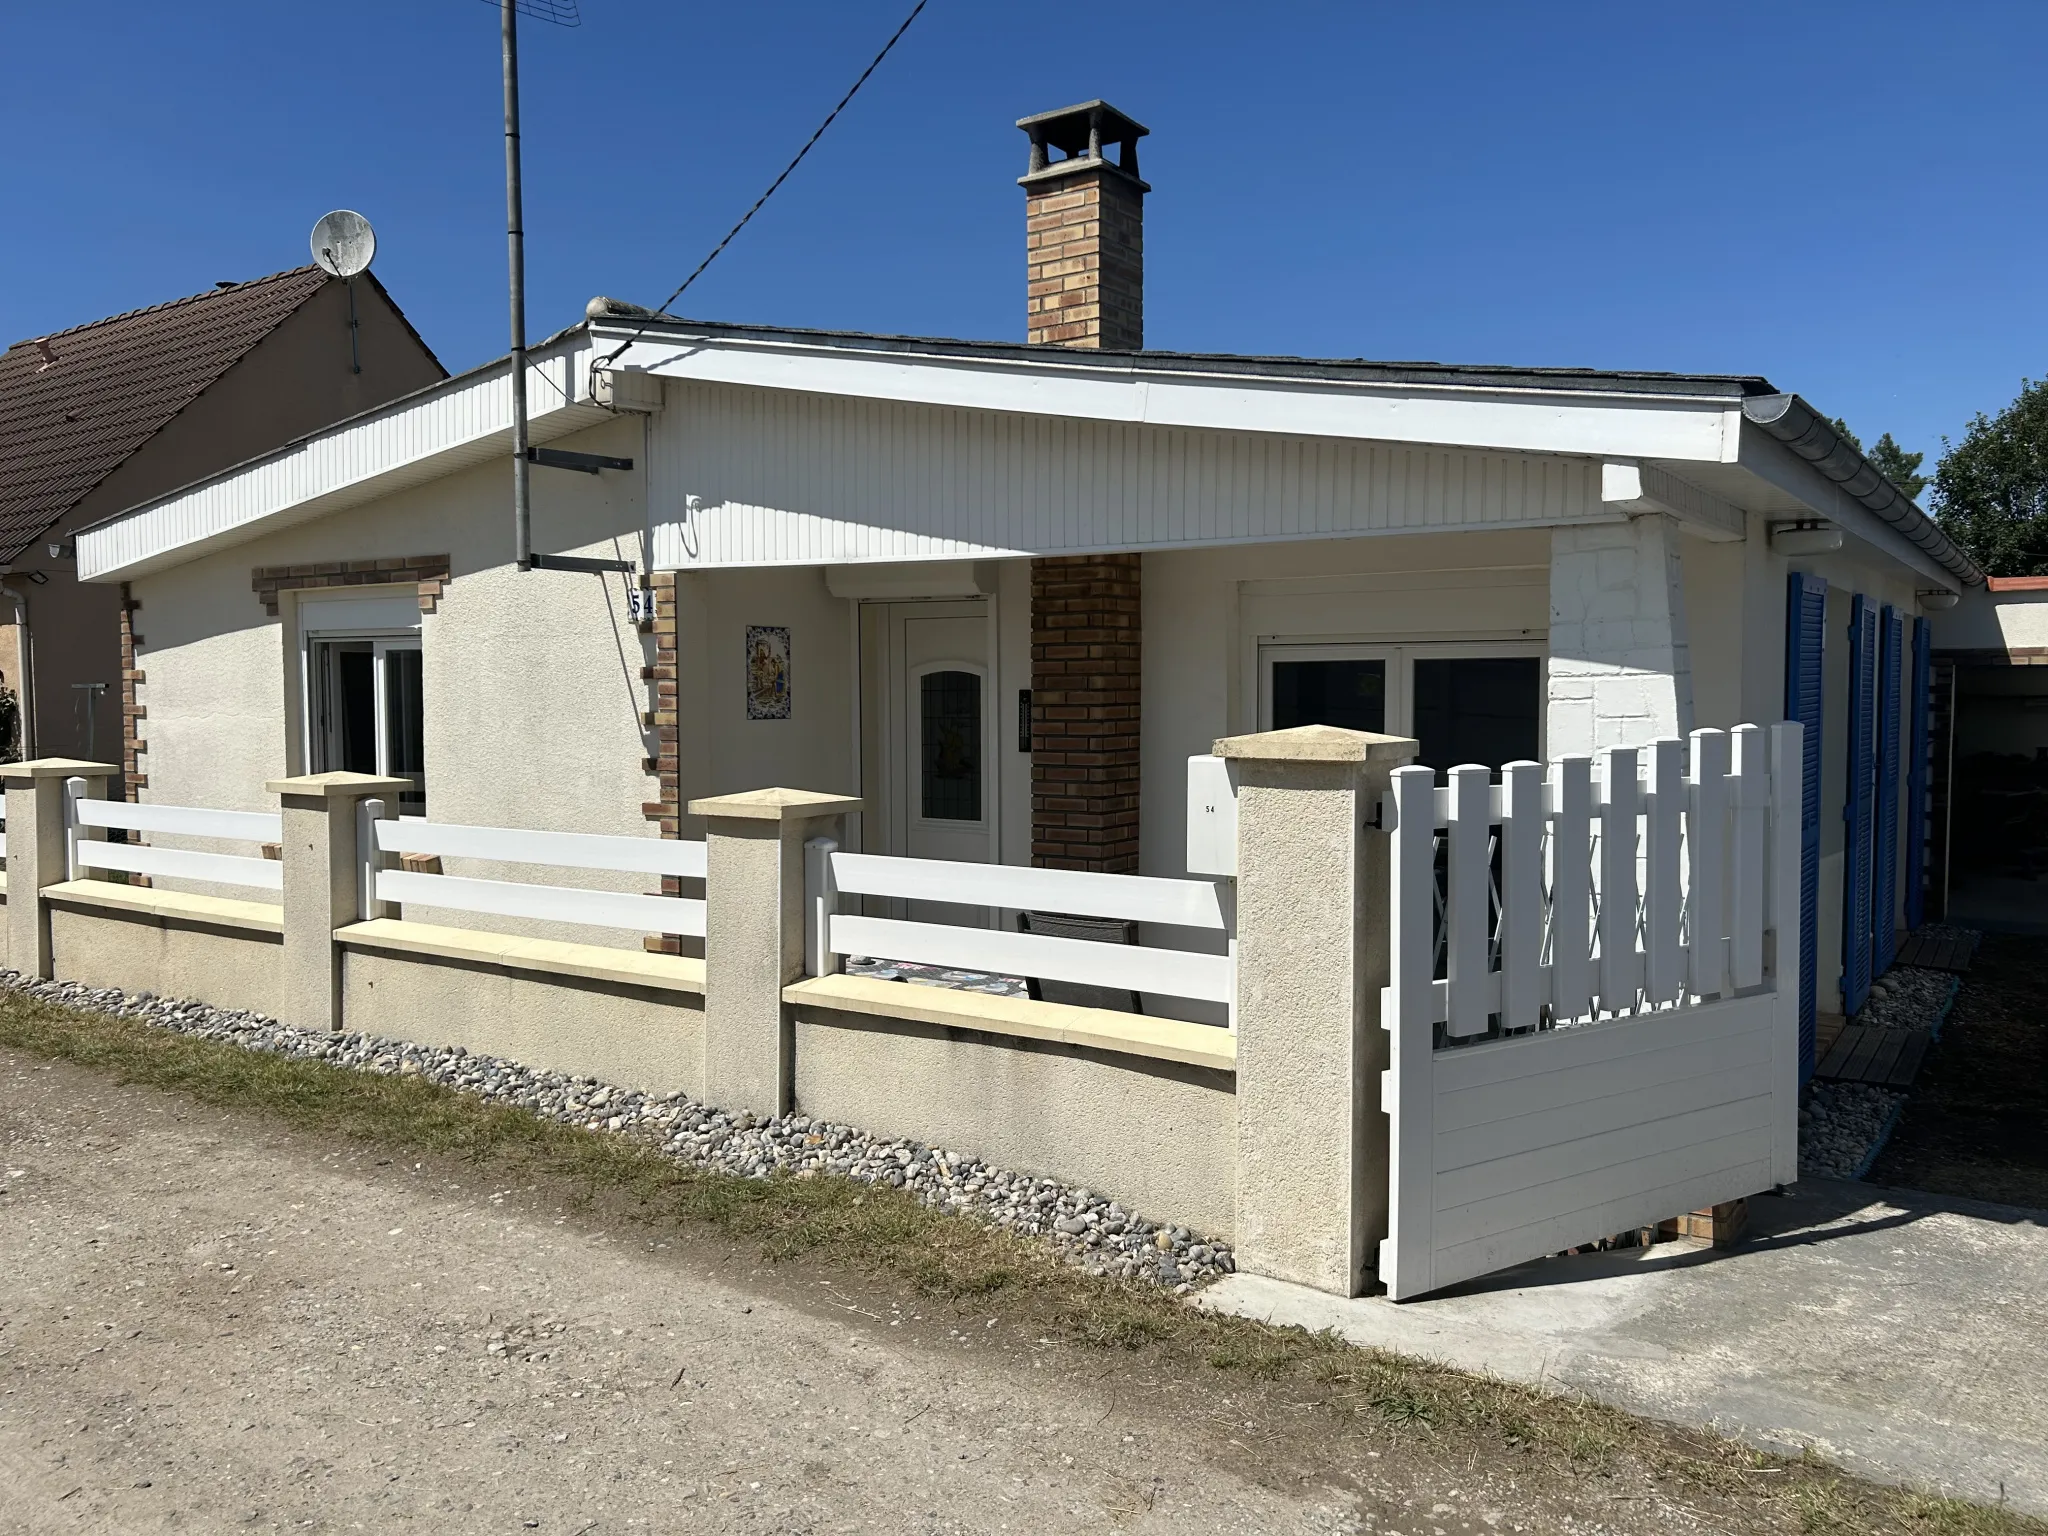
(580, 563)
(582, 463)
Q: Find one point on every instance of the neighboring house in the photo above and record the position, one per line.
(1004, 592)
(104, 415)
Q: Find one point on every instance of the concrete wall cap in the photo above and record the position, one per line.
(323, 786)
(1318, 744)
(57, 768)
(776, 805)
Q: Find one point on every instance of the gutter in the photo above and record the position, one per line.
(1807, 433)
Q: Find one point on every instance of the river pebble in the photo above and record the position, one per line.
(1087, 1229)
(1841, 1126)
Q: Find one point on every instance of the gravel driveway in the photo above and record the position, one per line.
(212, 1324)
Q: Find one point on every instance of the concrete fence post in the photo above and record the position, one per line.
(1312, 951)
(322, 886)
(754, 937)
(36, 846)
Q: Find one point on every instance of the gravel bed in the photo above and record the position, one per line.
(1087, 1230)
(1908, 997)
(1842, 1126)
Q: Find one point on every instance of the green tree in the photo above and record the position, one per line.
(1842, 431)
(1898, 466)
(1991, 489)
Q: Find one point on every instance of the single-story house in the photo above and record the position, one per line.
(1003, 592)
(100, 416)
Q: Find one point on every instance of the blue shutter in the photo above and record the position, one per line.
(1919, 751)
(1858, 809)
(1806, 629)
(1884, 887)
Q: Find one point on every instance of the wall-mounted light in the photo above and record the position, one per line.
(1808, 536)
(38, 577)
(63, 551)
(1937, 599)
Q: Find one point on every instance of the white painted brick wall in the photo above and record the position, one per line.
(1620, 673)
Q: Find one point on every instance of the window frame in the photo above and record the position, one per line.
(389, 623)
(1400, 658)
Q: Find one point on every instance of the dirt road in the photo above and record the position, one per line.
(207, 1323)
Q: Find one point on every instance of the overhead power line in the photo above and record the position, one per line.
(810, 143)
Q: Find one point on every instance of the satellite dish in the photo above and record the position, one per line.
(344, 244)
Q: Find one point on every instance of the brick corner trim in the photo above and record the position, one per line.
(133, 779)
(428, 572)
(659, 731)
(1085, 679)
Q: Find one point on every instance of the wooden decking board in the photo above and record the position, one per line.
(1907, 1067)
(1937, 952)
(1864, 1053)
(1886, 1056)
(1838, 1054)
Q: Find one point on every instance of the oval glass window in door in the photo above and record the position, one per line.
(949, 721)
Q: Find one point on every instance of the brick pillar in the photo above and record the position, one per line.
(1620, 666)
(1085, 267)
(1085, 649)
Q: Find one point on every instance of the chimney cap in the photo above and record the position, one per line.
(1066, 128)
(1079, 133)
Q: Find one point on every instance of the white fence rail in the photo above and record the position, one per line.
(84, 852)
(509, 898)
(831, 933)
(1588, 1028)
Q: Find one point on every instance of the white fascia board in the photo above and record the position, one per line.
(1533, 420)
(1771, 461)
(464, 421)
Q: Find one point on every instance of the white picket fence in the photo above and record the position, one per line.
(1588, 1028)
(383, 838)
(84, 852)
(831, 934)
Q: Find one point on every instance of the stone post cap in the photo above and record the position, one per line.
(55, 768)
(776, 805)
(337, 786)
(1319, 744)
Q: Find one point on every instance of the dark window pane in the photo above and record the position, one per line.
(1478, 709)
(356, 710)
(949, 712)
(1352, 694)
(405, 728)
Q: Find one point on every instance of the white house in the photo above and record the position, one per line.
(1004, 591)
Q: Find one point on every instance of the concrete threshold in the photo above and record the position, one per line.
(1902, 1335)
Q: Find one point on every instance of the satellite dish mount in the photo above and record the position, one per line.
(344, 245)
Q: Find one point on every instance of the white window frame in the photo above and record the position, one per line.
(1400, 660)
(390, 623)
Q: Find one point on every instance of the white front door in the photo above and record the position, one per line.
(941, 789)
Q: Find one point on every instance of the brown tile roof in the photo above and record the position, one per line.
(65, 425)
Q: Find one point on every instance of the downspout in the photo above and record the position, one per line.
(1813, 437)
(25, 685)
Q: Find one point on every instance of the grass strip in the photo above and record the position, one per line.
(888, 1234)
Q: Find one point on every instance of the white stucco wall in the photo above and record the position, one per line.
(1985, 620)
(532, 684)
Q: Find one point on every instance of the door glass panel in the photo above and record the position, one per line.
(949, 717)
(405, 728)
(1348, 693)
(1477, 709)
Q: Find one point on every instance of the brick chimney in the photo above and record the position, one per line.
(1084, 223)
(1085, 260)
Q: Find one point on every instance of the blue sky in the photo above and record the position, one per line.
(1847, 198)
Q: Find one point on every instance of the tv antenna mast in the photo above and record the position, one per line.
(562, 13)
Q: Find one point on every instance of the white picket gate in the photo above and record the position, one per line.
(1589, 1027)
